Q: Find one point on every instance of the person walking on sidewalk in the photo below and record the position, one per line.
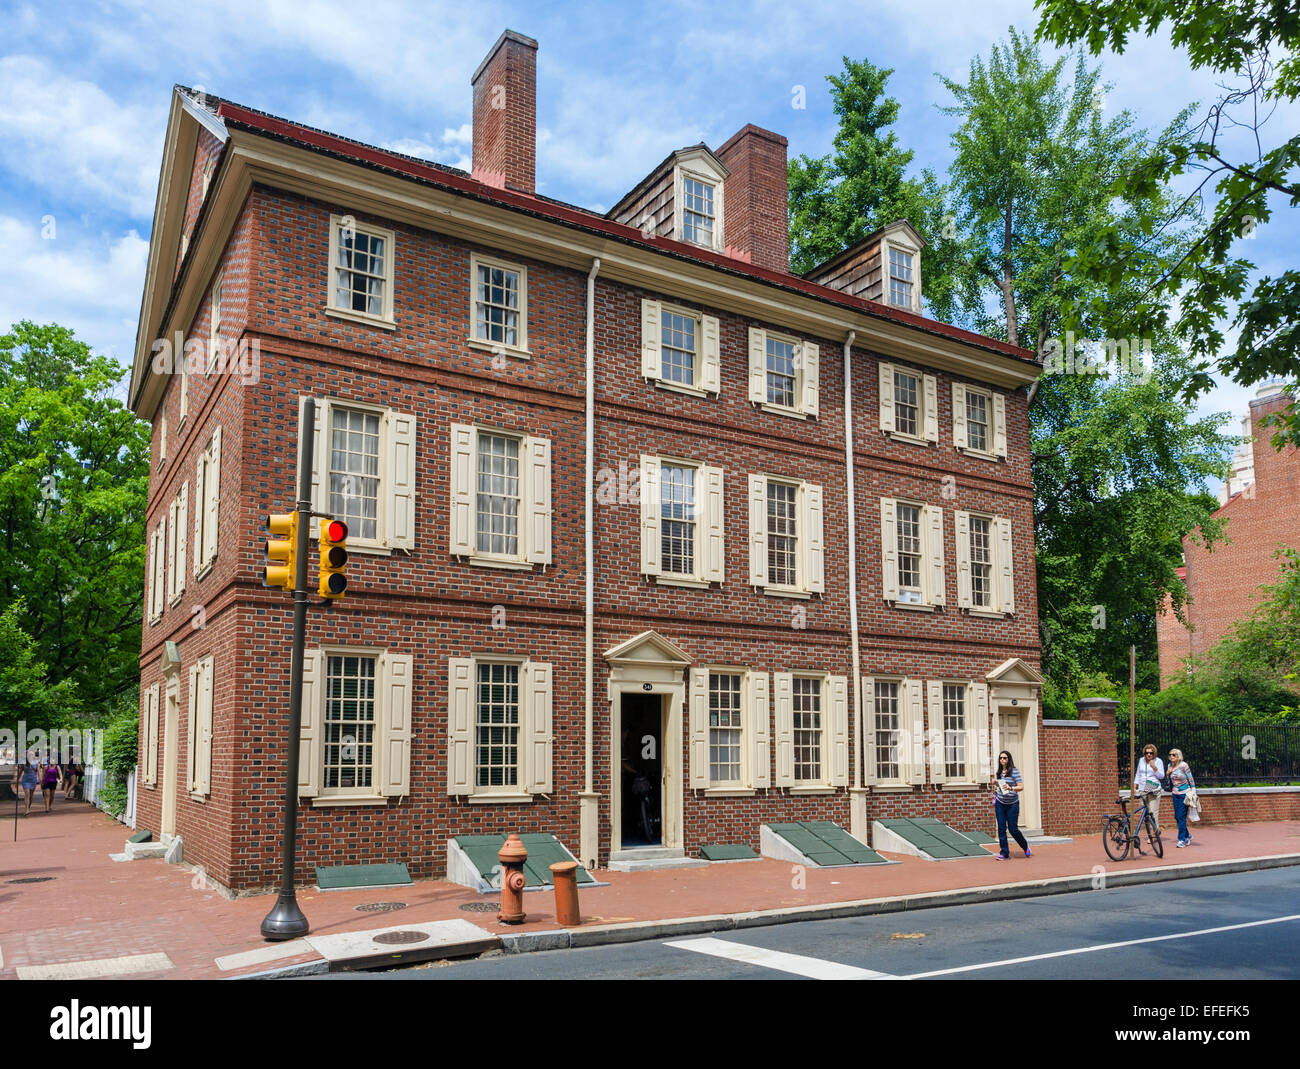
(1007, 784)
(26, 778)
(1183, 781)
(49, 780)
(1147, 777)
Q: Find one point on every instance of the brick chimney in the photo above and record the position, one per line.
(1277, 474)
(755, 198)
(505, 114)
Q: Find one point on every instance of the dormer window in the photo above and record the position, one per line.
(697, 211)
(900, 278)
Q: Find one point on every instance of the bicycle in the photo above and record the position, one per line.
(1119, 835)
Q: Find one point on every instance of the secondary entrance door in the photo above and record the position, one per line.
(641, 770)
(1012, 738)
(171, 727)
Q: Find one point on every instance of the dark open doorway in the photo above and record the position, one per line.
(641, 763)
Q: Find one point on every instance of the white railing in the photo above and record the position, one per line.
(94, 784)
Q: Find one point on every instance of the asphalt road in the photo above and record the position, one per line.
(1063, 936)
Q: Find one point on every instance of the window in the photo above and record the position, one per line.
(888, 728)
(895, 735)
(207, 503)
(158, 584)
(730, 729)
(681, 522)
(499, 311)
(354, 470)
(697, 211)
(149, 720)
(680, 348)
(178, 515)
(725, 728)
(807, 730)
(198, 751)
(954, 731)
(350, 714)
(500, 728)
(787, 555)
(959, 731)
(912, 562)
(908, 404)
(677, 526)
(184, 373)
(162, 437)
(214, 324)
(501, 497)
(783, 373)
(985, 575)
(698, 193)
(360, 284)
(812, 730)
(979, 422)
(900, 278)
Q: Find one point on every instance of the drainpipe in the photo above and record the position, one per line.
(858, 795)
(588, 811)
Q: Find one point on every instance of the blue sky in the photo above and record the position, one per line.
(84, 91)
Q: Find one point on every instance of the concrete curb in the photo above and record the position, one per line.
(638, 931)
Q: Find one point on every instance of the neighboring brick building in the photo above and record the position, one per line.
(1223, 582)
(497, 374)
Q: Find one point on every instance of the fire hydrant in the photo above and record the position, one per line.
(512, 856)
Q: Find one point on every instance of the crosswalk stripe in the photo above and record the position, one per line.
(815, 968)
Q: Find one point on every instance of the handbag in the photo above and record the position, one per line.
(1193, 802)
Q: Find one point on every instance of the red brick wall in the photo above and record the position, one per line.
(756, 196)
(1079, 772)
(505, 114)
(1245, 808)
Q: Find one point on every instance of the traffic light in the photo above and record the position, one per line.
(333, 558)
(281, 550)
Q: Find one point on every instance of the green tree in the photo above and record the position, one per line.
(26, 692)
(1255, 46)
(74, 475)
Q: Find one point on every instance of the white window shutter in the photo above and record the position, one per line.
(889, 548)
(959, 438)
(182, 537)
(204, 763)
(1000, 425)
(320, 460)
(651, 366)
(931, 391)
(815, 570)
(980, 720)
(538, 689)
(173, 514)
(1006, 567)
(757, 365)
(460, 726)
(757, 530)
(699, 728)
(784, 713)
(650, 540)
(461, 525)
(760, 730)
(200, 496)
(158, 595)
(395, 775)
(212, 507)
(400, 479)
(539, 500)
(311, 735)
(716, 552)
(934, 547)
(711, 355)
(935, 702)
(839, 723)
(192, 731)
(961, 533)
(916, 731)
(185, 387)
(887, 397)
(810, 357)
(867, 714)
(151, 737)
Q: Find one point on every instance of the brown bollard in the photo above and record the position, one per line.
(512, 856)
(564, 874)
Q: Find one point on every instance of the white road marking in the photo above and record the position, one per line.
(101, 967)
(816, 968)
(1100, 946)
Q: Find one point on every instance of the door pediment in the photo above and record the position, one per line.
(648, 649)
(1015, 672)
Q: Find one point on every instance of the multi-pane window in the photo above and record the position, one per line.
(954, 731)
(214, 324)
(497, 305)
(697, 211)
(981, 562)
(677, 519)
(907, 407)
(361, 270)
(807, 711)
(350, 717)
(496, 726)
(354, 470)
(781, 379)
(977, 421)
(497, 512)
(900, 278)
(724, 728)
(679, 347)
(909, 553)
(782, 534)
(888, 731)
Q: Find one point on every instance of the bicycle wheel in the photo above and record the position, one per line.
(647, 823)
(1153, 836)
(1114, 836)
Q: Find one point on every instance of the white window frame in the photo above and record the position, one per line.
(533, 547)
(697, 370)
(214, 321)
(327, 793)
(810, 563)
(208, 467)
(1001, 566)
(177, 535)
(707, 371)
(158, 571)
(520, 350)
(745, 781)
(807, 373)
(975, 708)
(681, 172)
(198, 750)
(933, 564)
(905, 247)
(927, 415)
(536, 731)
(331, 308)
(903, 779)
(710, 516)
(996, 415)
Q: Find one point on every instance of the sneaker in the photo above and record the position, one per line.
(1002, 857)
(1028, 852)
(1181, 844)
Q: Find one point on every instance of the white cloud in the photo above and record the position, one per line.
(453, 150)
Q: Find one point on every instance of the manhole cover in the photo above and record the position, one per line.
(379, 907)
(399, 938)
(480, 907)
(31, 879)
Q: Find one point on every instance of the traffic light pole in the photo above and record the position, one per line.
(286, 920)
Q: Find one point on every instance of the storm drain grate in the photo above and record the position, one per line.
(31, 879)
(480, 907)
(401, 938)
(379, 907)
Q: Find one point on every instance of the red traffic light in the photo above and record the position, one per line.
(336, 531)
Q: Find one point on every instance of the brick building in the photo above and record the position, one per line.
(1260, 506)
(652, 541)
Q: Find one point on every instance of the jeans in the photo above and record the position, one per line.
(1180, 815)
(1009, 817)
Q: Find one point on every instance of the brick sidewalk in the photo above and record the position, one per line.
(94, 908)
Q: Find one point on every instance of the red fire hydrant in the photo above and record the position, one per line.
(512, 856)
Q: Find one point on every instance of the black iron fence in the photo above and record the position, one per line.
(1219, 755)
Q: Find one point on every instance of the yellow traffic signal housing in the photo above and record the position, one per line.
(281, 550)
(333, 558)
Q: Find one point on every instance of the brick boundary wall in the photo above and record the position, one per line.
(1078, 769)
(1241, 805)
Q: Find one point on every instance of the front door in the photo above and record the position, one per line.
(641, 769)
(171, 728)
(1012, 738)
